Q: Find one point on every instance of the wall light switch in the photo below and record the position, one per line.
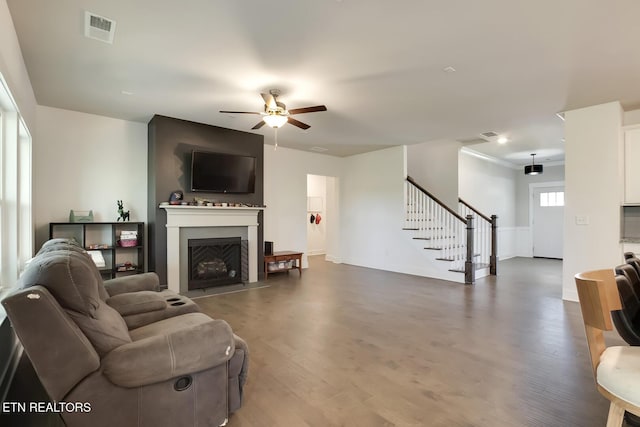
(582, 220)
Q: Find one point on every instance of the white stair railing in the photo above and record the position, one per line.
(441, 228)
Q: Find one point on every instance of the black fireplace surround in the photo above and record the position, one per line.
(171, 142)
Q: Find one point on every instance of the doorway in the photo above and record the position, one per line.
(322, 216)
(546, 218)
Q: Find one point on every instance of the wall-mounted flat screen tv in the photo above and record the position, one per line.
(222, 173)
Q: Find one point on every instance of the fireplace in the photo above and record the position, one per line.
(216, 262)
(190, 222)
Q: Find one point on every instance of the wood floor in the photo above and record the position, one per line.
(350, 346)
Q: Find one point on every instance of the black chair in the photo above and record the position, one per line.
(627, 320)
(631, 259)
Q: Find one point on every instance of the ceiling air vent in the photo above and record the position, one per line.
(98, 27)
(489, 134)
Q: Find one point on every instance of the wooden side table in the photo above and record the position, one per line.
(284, 256)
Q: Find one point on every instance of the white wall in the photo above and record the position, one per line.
(434, 165)
(373, 209)
(83, 161)
(285, 195)
(491, 188)
(631, 117)
(332, 244)
(13, 69)
(317, 233)
(593, 185)
(373, 215)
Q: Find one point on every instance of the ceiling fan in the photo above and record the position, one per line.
(276, 114)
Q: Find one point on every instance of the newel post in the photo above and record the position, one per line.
(469, 268)
(493, 260)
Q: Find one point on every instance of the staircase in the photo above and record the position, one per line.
(462, 242)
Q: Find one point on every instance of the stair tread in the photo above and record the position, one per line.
(478, 267)
(430, 238)
(446, 259)
(439, 248)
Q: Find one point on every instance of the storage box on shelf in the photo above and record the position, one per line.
(282, 261)
(120, 244)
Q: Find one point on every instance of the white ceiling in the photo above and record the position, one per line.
(378, 66)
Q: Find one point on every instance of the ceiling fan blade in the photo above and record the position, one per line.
(297, 123)
(269, 100)
(239, 112)
(258, 125)
(308, 109)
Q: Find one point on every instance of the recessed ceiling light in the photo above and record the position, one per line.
(503, 140)
(126, 92)
(449, 69)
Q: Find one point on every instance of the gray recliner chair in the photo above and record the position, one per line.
(183, 370)
(137, 298)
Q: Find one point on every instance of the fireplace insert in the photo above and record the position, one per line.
(215, 262)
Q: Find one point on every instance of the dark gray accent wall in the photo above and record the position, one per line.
(171, 142)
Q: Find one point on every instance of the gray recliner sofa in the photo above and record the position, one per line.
(137, 298)
(171, 369)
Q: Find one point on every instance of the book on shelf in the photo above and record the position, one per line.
(97, 258)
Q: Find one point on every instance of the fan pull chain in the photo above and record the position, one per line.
(276, 146)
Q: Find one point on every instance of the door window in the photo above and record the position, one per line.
(550, 199)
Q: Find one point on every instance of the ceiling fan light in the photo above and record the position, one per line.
(275, 120)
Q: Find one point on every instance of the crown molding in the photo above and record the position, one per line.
(504, 163)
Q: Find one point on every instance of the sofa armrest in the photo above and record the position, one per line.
(60, 353)
(133, 283)
(132, 303)
(162, 357)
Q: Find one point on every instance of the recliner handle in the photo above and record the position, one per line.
(183, 383)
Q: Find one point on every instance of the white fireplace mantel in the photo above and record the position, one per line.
(181, 216)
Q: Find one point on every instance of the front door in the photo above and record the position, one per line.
(547, 221)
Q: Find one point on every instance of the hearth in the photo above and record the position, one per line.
(216, 262)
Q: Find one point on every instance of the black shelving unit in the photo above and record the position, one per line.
(105, 237)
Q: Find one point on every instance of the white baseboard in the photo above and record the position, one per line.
(334, 259)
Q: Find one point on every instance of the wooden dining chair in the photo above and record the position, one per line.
(616, 370)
